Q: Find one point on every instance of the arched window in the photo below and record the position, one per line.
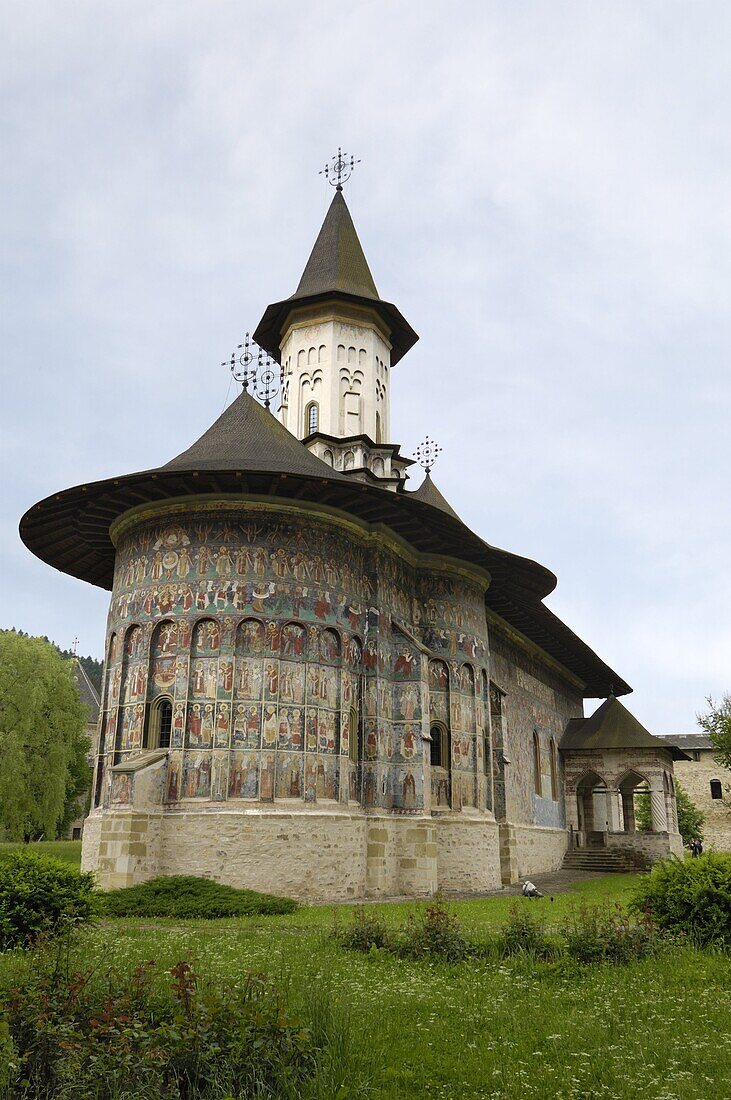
(353, 738)
(327, 456)
(536, 763)
(161, 724)
(554, 771)
(439, 749)
(312, 417)
(716, 789)
(379, 436)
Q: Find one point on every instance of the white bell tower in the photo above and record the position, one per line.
(335, 338)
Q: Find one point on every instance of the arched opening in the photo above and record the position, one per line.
(554, 770)
(537, 763)
(635, 802)
(591, 806)
(312, 417)
(440, 748)
(498, 708)
(354, 742)
(716, 788)
(161, 723)
(327, 456)
(379, 434)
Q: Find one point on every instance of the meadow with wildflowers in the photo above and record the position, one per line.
(483, 1027)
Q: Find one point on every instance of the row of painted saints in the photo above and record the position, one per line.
(264, 777)
(332, 583)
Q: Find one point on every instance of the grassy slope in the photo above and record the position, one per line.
(657, 1029)
(67, 850)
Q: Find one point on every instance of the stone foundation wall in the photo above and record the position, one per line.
(651, 846)
(303, 854)
(312, 856)
(537, 850)
(469, 855)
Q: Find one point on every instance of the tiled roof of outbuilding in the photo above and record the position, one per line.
(87, 693)
(612, 726)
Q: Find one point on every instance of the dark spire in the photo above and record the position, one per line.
(337, 262)
(337, 268)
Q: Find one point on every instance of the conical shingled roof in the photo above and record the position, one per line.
(337, 261)
(248, 454)
(429, 494)
(247, 436)
(612, 726)
(337, 268)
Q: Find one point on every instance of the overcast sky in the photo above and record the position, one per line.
(544, 192)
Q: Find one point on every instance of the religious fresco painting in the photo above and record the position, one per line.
(283, 679)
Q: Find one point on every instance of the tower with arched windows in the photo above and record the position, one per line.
(316, 687)
(337, 342)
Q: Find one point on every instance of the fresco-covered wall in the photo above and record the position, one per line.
(536, 704)
(293, 653)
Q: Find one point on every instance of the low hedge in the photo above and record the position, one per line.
(187, 896)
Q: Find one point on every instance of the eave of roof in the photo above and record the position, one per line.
(613, 727)
(246, 453)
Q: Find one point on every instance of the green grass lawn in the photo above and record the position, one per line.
(657, 1029)
(67, 850)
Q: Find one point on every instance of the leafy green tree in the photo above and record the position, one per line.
(690, 818)
(717, 724)
(42, 739)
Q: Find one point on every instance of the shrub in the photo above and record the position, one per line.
(524, 933)
(367, 931)
(186, 896)
(594, 933)
(692, 898)
(434, 933)
(40, 896)
(103, 1035)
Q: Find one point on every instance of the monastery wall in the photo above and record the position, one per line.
(695, 778)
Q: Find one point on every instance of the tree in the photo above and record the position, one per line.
(717, 724)
(690, 818)
(42, 741)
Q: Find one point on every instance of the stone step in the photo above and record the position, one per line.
(606, 862)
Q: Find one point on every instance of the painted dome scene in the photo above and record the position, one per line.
(318, 680)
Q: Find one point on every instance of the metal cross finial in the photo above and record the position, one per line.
(257, 372)
(340, 171)
(427, 453)
(268, 378)
(75, 647)
(242, 363)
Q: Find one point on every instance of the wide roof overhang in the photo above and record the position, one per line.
(70, 531)
(271, 329)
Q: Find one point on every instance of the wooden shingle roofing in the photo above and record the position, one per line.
(336, 270)
(247, 452)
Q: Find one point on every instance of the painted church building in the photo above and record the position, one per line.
(319, 681)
